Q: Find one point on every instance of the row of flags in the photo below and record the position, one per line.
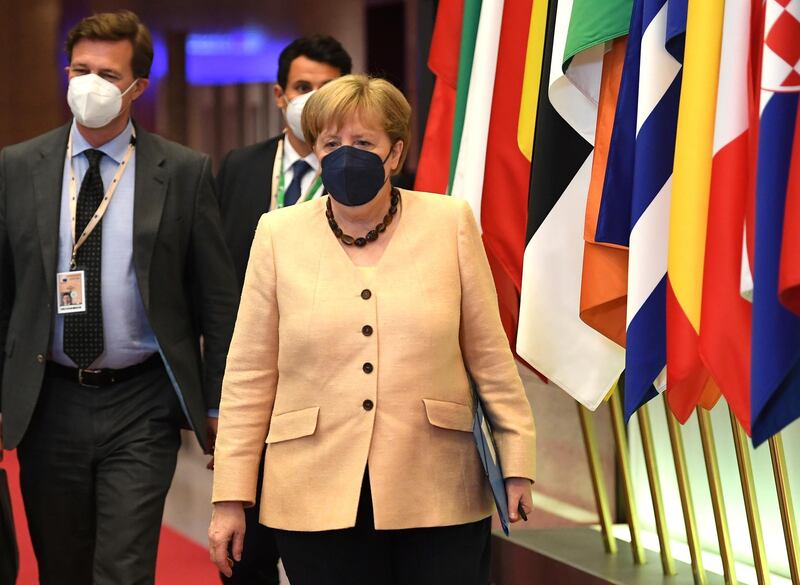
(635, 169)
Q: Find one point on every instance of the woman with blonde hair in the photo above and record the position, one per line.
(363, 314)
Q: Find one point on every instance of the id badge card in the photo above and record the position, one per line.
(71, 287)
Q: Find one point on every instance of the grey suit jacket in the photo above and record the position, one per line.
(184, 270)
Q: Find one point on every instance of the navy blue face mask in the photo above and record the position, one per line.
(353, 176)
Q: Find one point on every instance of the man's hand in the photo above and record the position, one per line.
(519, 492)
(227, 527)
(212, 423)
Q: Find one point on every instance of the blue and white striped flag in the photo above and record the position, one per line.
(636, 194)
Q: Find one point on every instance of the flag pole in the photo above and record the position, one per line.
(667, 562)
(621, 444)
(598, 484)
(750, 502)
(717, 499)
(785, 502)
(692, 536)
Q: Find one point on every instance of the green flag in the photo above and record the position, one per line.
(594, 22)
(469, 35)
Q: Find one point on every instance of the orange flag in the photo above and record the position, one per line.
(604, 285)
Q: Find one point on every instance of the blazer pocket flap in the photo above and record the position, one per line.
(449, 415)
(293, 425)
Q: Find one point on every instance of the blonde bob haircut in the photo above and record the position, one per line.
(352, 96)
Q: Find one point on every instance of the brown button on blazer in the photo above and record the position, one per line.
(295, 374)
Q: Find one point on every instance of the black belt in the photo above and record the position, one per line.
(104, 377)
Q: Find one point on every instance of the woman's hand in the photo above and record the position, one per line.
(227, 525)
(519, 492)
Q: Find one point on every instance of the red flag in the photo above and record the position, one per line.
(434, 160)
(726, 319)
(504, 206)
(726, 322)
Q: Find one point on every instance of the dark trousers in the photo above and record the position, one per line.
(95, 467)
(259, 564)
(446, 555)
(9, 556)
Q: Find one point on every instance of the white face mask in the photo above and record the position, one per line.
(94, 101)
(294, 113)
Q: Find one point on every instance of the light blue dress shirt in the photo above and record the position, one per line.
(129, 339)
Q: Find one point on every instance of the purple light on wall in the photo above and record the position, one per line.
(160, 66)
(239, 56)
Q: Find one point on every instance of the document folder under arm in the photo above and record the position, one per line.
(490, 458)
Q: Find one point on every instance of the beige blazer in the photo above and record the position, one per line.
(329, 398)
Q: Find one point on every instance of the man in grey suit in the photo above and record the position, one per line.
(94, 391)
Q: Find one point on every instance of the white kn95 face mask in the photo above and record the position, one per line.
(94, 101)
(294, 113)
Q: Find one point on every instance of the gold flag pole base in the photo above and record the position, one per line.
(785, 502)
(750, 502)
(667, 562)
(598, 483)
(684, 489)
(621, 444)
(717, 500)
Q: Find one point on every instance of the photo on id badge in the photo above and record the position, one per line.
(70, 292)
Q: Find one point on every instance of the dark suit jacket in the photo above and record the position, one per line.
(244, 188)
(184, 271)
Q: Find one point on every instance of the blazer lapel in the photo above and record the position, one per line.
(149, 194)
(48, 174)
